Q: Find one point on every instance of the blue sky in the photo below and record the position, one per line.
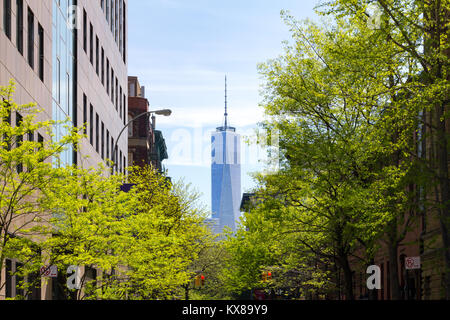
(181, 51)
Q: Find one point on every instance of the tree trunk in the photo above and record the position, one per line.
(348, 278)
(444, 201)
(394, 276)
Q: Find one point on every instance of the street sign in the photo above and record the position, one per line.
(412, 263)
(49, 271)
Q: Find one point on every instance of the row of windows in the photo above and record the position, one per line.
(99, 62)
(115, 16)
(100, 137)
(7, 27)
(20, 139)
(14, 282)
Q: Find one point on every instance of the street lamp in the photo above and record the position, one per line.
(162, 112)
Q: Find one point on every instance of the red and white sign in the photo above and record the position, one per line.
(49, 271)
(412, 263)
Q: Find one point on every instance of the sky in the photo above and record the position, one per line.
(181, 51)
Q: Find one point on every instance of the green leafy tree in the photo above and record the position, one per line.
(419, 30)
(26, 170)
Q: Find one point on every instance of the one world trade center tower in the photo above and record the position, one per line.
(226, 175)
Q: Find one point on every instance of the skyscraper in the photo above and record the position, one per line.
(69, 58)
(225, 174)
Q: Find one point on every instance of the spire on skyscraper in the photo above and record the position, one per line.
(226, 106)
(225, 126)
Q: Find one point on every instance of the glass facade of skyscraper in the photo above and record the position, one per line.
(63, 77)
(226, 178)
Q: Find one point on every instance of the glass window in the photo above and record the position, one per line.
(103, 141)
(30, 38)
(124, 33)
(41, 52)
(84, 30)
(130, 127)
(19, 24)
(112, 16)
(107, 144)
(97, 56)
(19, 140)
(85, 120)
(91, 125)
(120, 26)
(9, 278)
(91, 44)
(117, 94)
(97, 133)
(112, 85)
(107, 10)
(7, 18)
(107, 75)
(103, 66)
(121, 102)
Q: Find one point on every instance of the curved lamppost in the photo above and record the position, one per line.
(163, 112)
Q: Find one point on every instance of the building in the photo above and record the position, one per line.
(146, 145)
(225, 175)
(70, 58)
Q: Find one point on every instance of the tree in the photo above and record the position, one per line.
(25, 170)
(419, 29)
(337, 97)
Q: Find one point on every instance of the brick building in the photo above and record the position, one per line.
(146, 145)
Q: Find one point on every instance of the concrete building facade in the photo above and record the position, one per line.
(70, 58)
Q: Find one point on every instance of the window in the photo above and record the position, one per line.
(132, 89)
(30, 38)
(41, 52)
(41, 143)
(121, 26)
(19, 280)
(97, 132)
(9, 279)
(91, 125)
(7, 18)
(124, 108)
(97, 56)
(120, 161)
(116, 20)
(112, 16)
(107, 10)
(117, 94)
(19, 31)
(102, 4)
(91, 43)
(103, 141)
(103, 66)
(124, 32)
(107, 144)
(121, 102)
(107, 75)
(19, 140)
(58, 81)
(85, 120)
(112, 85)
(131, 126)
(84, 31)
(113, 158)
